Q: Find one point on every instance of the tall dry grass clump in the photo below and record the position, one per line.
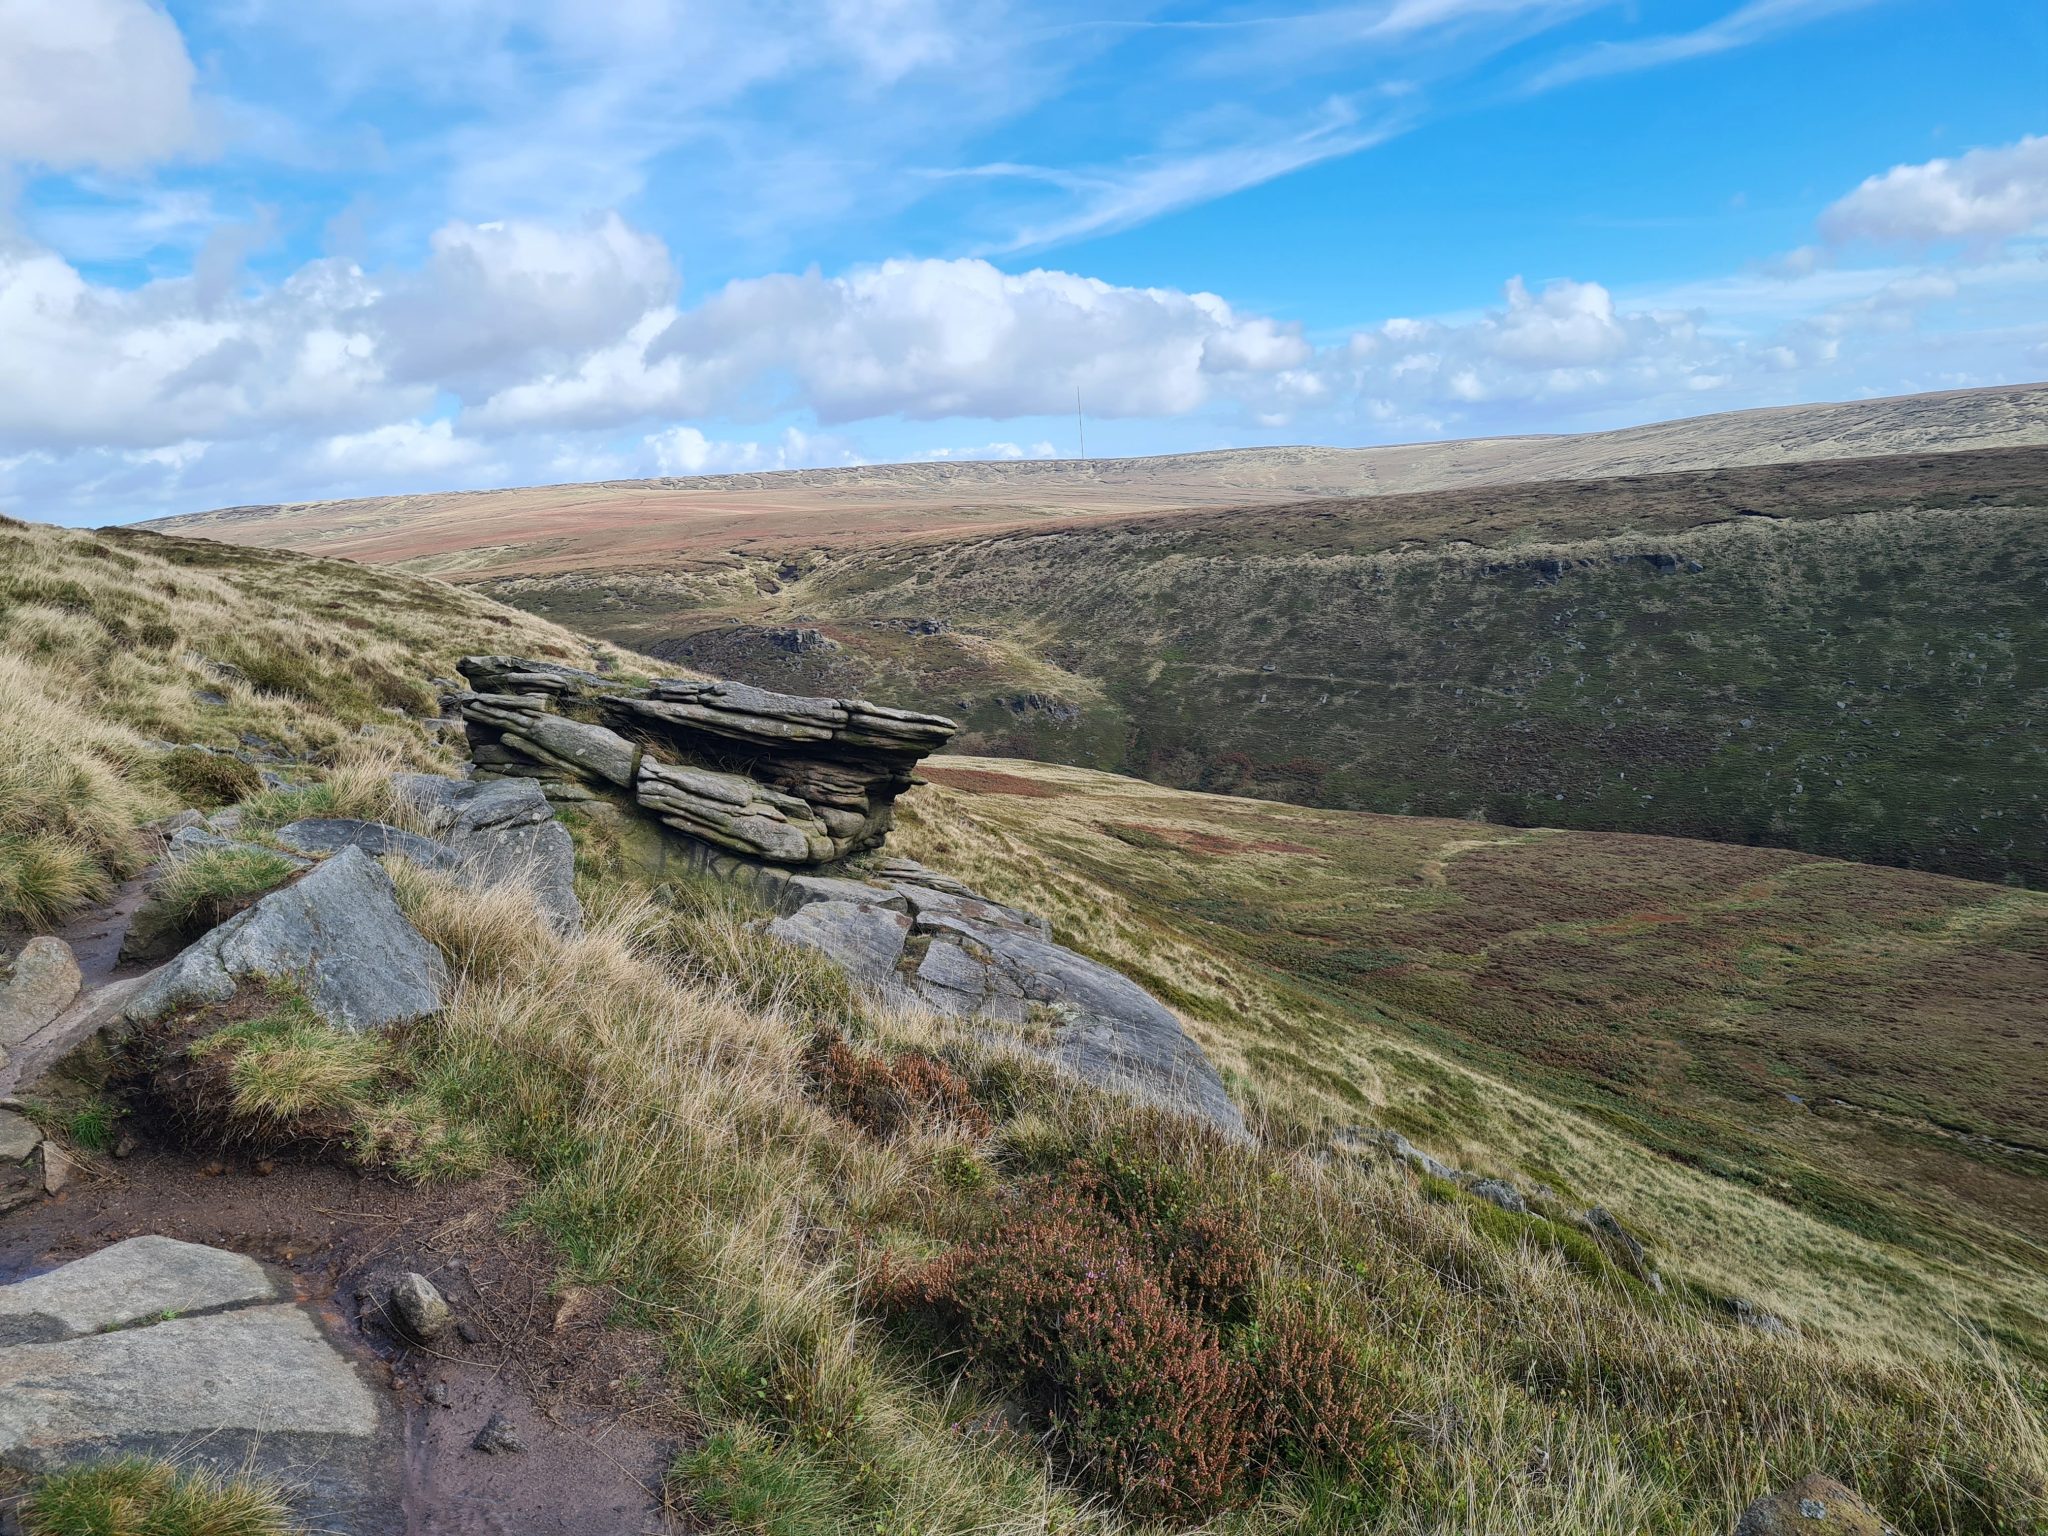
(125, 657)
(68, 804)
(903, 1321)
(682, 1163)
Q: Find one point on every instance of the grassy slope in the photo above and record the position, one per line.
(1846, 658)
(1617, 1015)
(113, 644)
(649, 1080)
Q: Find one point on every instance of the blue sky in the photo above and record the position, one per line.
(260, 250)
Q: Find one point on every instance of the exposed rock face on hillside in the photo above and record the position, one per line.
(338, 933)
(771, 791)
(770, 776)
(919, 938)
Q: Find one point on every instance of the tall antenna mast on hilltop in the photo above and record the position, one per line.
(1079, 430)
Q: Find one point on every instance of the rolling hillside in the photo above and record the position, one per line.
(1837, 654)
(1849, 1055)
(1851, 1281)
(688, 524)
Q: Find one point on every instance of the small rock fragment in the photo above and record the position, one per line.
(57, 1168)
(1813, 1506)
(421, 1312)
(498, 1437)
(1503, 1194)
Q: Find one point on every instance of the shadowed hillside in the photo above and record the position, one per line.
(1847, 658)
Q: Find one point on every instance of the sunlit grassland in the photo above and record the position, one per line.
(1628, 1019)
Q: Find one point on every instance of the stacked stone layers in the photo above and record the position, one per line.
(771, 776)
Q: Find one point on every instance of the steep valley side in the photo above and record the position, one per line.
(1848, 659)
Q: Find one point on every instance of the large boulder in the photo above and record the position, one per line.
(779, 778)
(337, 933)
(961, 955)
(167, 1349)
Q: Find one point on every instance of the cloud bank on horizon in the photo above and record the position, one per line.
(260, 251)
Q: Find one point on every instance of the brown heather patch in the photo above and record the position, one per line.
(989, 781)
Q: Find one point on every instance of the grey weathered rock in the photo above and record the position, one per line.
(330, 834)
(932, 903)
(21, 1170)
(501, 831)
(55, 1166)
(258, 1388)
(799, 891)
(419, 1309)
(981, 961)
(131, 1282)
(498, 1437)
(865, 941)
(784, 779)
(1396, 1146)
(338, 934)
(38, 984)
(1501, 1193)
(177, 822)
(160, 1348)
(98, 1010)
(1813, 1506)
(18, 1137)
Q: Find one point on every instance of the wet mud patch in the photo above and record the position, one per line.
(584, 1398)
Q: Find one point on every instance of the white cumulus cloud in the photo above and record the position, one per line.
(92, 83)
(1984, 195)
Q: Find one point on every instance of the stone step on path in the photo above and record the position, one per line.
(161, 1348)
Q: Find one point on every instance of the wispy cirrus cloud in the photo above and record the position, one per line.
(1740, 28)
(1109, 199)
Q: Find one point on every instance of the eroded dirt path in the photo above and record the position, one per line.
(580, 1394)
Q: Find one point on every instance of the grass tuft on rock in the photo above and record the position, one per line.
(134, 1496)
(209, 887)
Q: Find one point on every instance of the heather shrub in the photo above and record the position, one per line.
(1125, 1314)
(886, 1096)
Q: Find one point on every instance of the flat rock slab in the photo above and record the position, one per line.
(18, 1137)
(252, 1384)
(987, 961)
(140, 1280)
(864, 941)
(38, 985)
(338, 934)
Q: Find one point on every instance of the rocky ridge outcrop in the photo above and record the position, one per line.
(786, 780)
(920, 939)
(785, 795)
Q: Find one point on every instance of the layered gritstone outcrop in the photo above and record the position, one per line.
(770, 776)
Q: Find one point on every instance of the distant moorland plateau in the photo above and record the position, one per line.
(1821, 628)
